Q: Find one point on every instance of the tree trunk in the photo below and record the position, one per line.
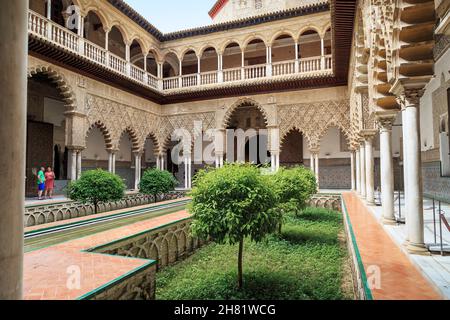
(241, 249)
(95, 208)
(155, 196)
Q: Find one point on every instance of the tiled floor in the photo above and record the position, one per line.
(392, 275)
(47, 271)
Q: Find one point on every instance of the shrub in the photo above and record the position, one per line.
(293, 188)
(96, 186)
(232, 203)
(156, 182)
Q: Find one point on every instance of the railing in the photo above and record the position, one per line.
(42, 27)
(94, 52)
(253, 72)
(189, 80)
(283, 68)
(137, 73)
(171, 83)
(208, 77)
(310, 64)
(234, 74)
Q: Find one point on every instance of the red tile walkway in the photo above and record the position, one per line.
(400, 280)
(46, 270)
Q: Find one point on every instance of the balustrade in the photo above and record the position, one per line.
(42, 27)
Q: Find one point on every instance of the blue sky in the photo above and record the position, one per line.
(174, 15)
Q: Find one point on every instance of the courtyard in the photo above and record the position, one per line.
(283, 150)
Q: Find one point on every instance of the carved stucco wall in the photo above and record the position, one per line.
(314, 119)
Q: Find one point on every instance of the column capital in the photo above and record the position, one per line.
(410, 97)
(385, 121)
(368, 134)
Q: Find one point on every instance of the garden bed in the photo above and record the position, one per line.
(308, 260)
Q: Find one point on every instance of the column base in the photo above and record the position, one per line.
(419, 249)
(370, 202)
(389, 221)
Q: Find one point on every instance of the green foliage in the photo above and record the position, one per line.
(232, 203)
(307, 261)
(294, 187)
(156, 182)
(96, 186)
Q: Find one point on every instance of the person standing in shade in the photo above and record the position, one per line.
(49, 182)
(41, 183)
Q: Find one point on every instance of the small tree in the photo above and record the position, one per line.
(293, 188)
(96, 186)
(155, 182)
(232, 203)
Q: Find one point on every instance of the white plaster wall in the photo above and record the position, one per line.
(426, 103)
(238, 9)
(95, 146)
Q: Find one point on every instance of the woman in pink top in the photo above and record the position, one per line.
(49, 182)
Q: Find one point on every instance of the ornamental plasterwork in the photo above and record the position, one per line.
(314, 119)
(118, 118)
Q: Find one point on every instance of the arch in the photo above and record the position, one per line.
(282, 33)
(118, 24)
(208, 59)
(189, 67)
(325, 30)
(117, 46)
(91, 31)
(206, 47)
(186, 51)
(104, 130)
(243, 102)
(99, 14)
(229, 58)
(321, 133)
(228, 42)
(308, 28)
(133, 136)
(289, 130)
(171, 61)
(66, 91)
(253, 38)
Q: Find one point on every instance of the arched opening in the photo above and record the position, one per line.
(232, 62)
(292, 149)
(310, 44)
(189, 66)
(116, 43)
(209, 66)
(152, 64)
(327, 42)
(136, 54)
(95, 156)
(247, 139)
(150, 153)
(46, 132)
(93, 29)
(255, 59)
(171, 71)
(283, 55)
(124, 160)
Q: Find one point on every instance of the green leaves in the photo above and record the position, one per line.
(156, 182)
(97, 186)
(232, 203)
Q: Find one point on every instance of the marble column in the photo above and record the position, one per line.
(385, 122)
(362, 164)
(352, 168)
(370, 168)
(358, 171)
(316, 168)
(413, 170)
(311, 162)
(111, 161)
(79, 154)
(137, 170)
(13, 99)
(72, 164)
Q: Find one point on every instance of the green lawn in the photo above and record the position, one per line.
(308, 261)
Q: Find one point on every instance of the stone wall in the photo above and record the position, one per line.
(66, 210)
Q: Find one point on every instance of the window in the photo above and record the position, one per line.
(258, 4)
